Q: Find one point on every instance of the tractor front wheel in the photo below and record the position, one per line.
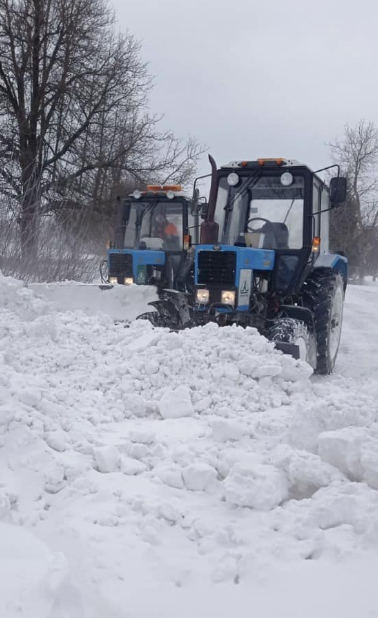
(323, 294)
(288, 330)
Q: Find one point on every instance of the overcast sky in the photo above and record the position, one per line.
(267, 78)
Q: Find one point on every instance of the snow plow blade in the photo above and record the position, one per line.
(288, 348)
(121, 303)
(172, 310)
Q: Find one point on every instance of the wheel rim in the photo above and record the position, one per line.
(336, 322)
(307, 349)
(302, 345)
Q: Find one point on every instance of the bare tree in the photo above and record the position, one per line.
(73, 110)
(357, 154)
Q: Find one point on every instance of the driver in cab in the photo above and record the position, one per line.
(167, 231)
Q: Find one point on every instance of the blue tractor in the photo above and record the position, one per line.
(154, 233)
(264, 258)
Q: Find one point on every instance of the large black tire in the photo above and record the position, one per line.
(323, 294)
(292, 331)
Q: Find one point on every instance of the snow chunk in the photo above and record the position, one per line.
(131, 466)
(306, 472)
(107, 459)
(142, 437)
(170, 475)
(354, 451)
(57, 440)
(369, 464)
(139, 451)
(224, 430)
(134, 405)
(30, 396)
(54, 477)
(5, 506)
(342, 449)
(259, 486)
(199, 476)
(170, 512)
(268, 370)
(176, 403)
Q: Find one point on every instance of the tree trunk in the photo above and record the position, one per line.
(30, 205)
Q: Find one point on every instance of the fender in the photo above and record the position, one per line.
(335, 262)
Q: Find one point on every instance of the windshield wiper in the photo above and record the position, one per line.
(299, 194)
(239, 194)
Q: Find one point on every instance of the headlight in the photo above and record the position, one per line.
(202, 296)
(171, 195)
(228, 297)
(128, 281)
(137, 194)
(113, 280)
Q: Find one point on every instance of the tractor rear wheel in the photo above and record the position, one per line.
(323, 294)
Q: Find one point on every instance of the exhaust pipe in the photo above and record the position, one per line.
(209, 227)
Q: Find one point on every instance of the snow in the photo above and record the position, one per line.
(258, 486)
(119, 302)
(107, 458)
(176, 403)
(146, 473)
(33, 580)
(199, 476)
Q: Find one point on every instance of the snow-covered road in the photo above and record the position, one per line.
(193, 474)
(358, 356)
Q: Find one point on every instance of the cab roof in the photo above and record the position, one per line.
(161, 191)
(274, 162)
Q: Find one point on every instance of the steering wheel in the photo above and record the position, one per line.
(251, 229)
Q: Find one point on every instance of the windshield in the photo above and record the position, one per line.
(261, 212)
(154, 224)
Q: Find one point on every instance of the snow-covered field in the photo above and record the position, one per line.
(145, 474)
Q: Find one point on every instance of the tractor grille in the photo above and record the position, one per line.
(216, 267)
(120, 265)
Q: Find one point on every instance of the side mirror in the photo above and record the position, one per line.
(337, 191)
(203, 211)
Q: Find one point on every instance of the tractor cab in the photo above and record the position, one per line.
(154, 233)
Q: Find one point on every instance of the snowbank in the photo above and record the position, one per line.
(123, 303)
(154, 465)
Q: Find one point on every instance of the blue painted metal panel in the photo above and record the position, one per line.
(333, 261)
(142, 257)
(248, 259)
(257, 259)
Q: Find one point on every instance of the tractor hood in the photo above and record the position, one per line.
(223, 267)
(133, 262)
